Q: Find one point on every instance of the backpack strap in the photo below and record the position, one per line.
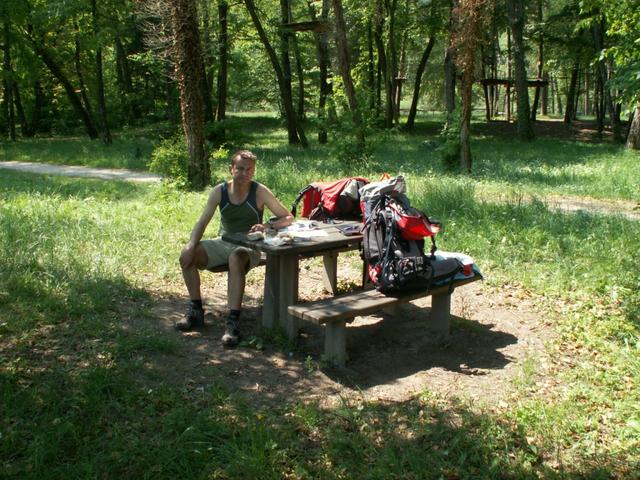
(301, 193)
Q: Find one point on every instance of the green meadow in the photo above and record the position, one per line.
(78, 255)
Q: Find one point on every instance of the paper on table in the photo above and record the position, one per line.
(305, 229)
(310, 234)
(301, 226)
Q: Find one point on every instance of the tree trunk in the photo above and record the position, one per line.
(285, 42)
(400, 78)
(325, 115)
(633, 138)
(418, 80)
(207, 61)
(300, 74)
(8, 81)
(344, 65)
(383, 76)
(371, 68)
(293, 42)
(616, 127)
(450, 71)
(465, 121)
(558, 96)
(83, 87)
(509, 77)
(485, 87)
(294, 128)
(223, 54)
(571, 94)
(76, 103)
(25, 128)
(38, 102)
(517, 20)
(100, 100)
(392, 65)
(536, 97)
(189, 69)
(544, 100)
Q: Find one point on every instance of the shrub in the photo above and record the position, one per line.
(450, 147)
(170, 159)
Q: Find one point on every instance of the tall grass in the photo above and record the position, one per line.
(79, 255)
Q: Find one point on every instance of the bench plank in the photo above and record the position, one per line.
(335, 312)
(360, 303)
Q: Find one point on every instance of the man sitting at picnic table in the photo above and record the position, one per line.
(241, 201)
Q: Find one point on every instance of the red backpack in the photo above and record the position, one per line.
(393, 241)
(331, 200)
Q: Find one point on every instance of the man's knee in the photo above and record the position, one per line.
(239, 261)
(200, 258)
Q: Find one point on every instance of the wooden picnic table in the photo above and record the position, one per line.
(282, 267)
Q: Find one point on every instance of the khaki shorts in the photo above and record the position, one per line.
(218, 252)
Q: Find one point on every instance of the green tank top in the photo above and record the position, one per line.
(239, 218)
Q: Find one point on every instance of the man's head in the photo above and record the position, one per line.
(243, 166)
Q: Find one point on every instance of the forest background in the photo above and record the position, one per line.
(345, 71)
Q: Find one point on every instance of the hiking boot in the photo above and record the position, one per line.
(193, 318)
(231, 333)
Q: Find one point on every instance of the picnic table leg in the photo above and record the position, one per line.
(288, 293)
(271, 305)
(440, 314)
(335, 342)
(330, 274)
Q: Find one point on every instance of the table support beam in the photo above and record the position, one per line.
(270, 307)
(330, 273)
(288, 289)
(440, 314)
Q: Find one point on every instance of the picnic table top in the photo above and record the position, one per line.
(319, 237)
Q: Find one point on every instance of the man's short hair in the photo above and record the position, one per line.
(244, 155)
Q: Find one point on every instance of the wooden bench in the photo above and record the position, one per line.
(335, 312)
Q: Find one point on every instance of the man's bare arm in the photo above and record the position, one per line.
(268, 199)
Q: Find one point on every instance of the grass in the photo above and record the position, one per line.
(81, 259)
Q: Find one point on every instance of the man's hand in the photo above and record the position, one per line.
(259, 227)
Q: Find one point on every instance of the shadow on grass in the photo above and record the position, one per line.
(395, 348)
(115, 392)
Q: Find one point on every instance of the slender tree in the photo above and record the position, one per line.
(189, 69)
(418, 80)
(326, 114)
(100, 100)
(294, 127)
(344, 64)
(223, 60)
(536, 97)
(516, 15)
(470, 21)
(450, 66)
(7, 80)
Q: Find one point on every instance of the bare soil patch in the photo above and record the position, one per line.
(391, 358)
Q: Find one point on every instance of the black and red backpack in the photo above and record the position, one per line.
(394, 241)
(331, 200)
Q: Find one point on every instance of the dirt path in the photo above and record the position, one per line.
(79, 171)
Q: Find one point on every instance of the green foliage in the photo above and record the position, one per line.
(450, 147)
(170, 159)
